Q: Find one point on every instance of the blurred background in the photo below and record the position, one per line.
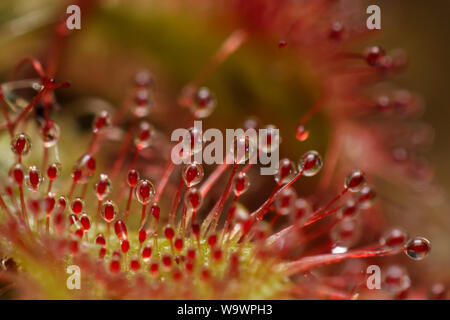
(422, 29)
(175, 41)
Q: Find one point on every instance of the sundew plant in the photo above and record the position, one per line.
(93, 204)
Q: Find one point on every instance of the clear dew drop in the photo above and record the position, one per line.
(145, 191)
(394, 238)
(251, 123)
(241, 183)
(102, 187)
(348, 210)
(302, 210)
(417, 248)
(438, 291)
(310, 163)
(101, 121)
(203, 104)
(144, 79)
(50, 134)
(345, 233)
(242, 149)
(286, 171)
(193, 199)
(84, 169)
(355, 181)
(396, 279)
(284, 203)
(21, 144)
(366, 197)
(16, 93)
(142, 103)
(192, 142)
(144, 136)
(270, 140)
(192, 174)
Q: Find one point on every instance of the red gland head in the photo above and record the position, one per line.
(282, 44)
(191, 253)
(77, 205)
(373, 55)
(17, 173)
(142, 97)
(142, 235)
(167, 261)
(101, 121)
(217, 254)
(121, 230)
(124, 245)
(241, 183)
(102, 187)
(114, 266)
(336, 31)
(146, 253)
(212, 240)
(132, 178)
(169, 233)
(301, 133)
(196, 229)
(179, 244)
(154, 269)
(102, 253)
(62, 203)
(134, 264)
(34, 178)
(85, 223)
(53, 171)
(155, 211)
(394, 238)
(144, 135)
(100, 239)
(109, 210)
(49, 202)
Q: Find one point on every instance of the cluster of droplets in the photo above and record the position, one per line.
(187, 239)
(287, 203)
